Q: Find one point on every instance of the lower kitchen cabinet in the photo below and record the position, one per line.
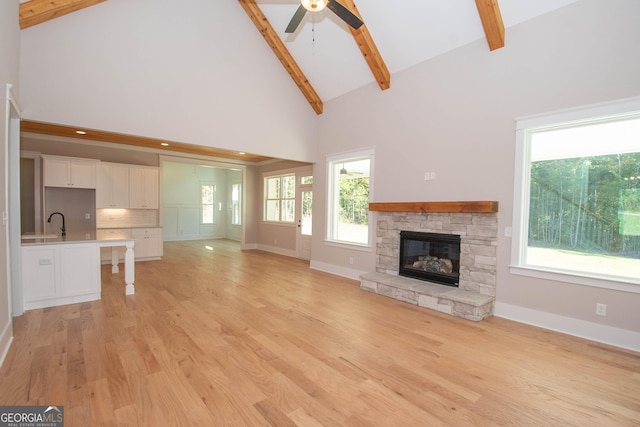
(59, 274)
(148, 244)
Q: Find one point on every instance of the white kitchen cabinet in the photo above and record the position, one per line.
(144, 187)
(148, 242)
(112, 189)
(69, 172)
(56, 274)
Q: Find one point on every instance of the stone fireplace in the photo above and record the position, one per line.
(477, 225)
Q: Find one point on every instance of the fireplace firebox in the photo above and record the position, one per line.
(433, 257)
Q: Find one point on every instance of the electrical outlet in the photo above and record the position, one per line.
(350, 260)
(601, 309)
(87, 216)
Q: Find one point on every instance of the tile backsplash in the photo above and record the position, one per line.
(126, 218)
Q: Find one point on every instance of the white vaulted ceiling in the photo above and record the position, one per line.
(406, 32)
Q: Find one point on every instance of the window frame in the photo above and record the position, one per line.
(522, 181)
(332, 211)
(236, 205)
(213, 203)
(280, 198)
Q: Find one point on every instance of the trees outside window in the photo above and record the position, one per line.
(580, 197)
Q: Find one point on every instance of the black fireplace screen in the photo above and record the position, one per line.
(433, 257)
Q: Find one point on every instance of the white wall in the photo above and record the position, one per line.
(455, 115)
(200, 74)
(181, 201)
(9, 55)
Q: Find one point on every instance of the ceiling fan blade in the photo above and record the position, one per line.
(345, 14)
(295, 21)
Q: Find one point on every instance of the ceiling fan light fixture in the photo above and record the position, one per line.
(314, 5)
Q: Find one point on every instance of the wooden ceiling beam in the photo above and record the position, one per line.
(28, 127)
(491, 22)
(278, 47)
(38, 11)
(369, 49)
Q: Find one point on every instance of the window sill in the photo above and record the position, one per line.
(603, 282)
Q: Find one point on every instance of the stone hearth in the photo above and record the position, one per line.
(477, 225)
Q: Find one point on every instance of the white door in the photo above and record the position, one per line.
(305, 207)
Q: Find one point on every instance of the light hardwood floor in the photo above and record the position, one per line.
(220, 337)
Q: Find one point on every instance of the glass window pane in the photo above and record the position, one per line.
(235, 204)
(272, 210)
(349, 216)
(307, 209)
(273, 188)
(288, 210)
(305, 180)
(207, 193)
(207, 214)
(289, 184)
(584, 199)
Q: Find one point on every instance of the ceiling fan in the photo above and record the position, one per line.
(316, 6)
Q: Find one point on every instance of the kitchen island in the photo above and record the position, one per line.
(60, 270)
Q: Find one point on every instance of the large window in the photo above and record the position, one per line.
(349, 187)
(280, 198)
(578, 215)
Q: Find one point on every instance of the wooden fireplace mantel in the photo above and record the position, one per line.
(436, 207)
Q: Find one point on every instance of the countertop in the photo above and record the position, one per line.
(95, 236)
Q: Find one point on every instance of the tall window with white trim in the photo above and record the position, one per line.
(349, 187)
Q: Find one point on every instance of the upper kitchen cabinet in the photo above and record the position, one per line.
(69, 172)
(144, 187)
(112, 190)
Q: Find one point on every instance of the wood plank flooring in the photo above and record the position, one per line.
(222, 337)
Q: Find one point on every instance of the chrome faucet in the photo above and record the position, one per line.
(63, 229)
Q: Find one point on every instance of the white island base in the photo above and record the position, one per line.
(57, 271)
(129, 262)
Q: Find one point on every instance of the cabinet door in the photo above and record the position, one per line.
(56, 172)
(151, 188)
(78, 269)
(69, 172)
(112, 188)
(39, 273)
(154, 242)
(82, 173)
(148, 242)
(143, 188)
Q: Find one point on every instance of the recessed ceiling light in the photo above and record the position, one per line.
(81, 132)
(164, 144)
(242, 153)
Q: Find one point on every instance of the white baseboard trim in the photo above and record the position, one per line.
(277, 250)
(349, 273)
(623, 338)
(6, 337)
